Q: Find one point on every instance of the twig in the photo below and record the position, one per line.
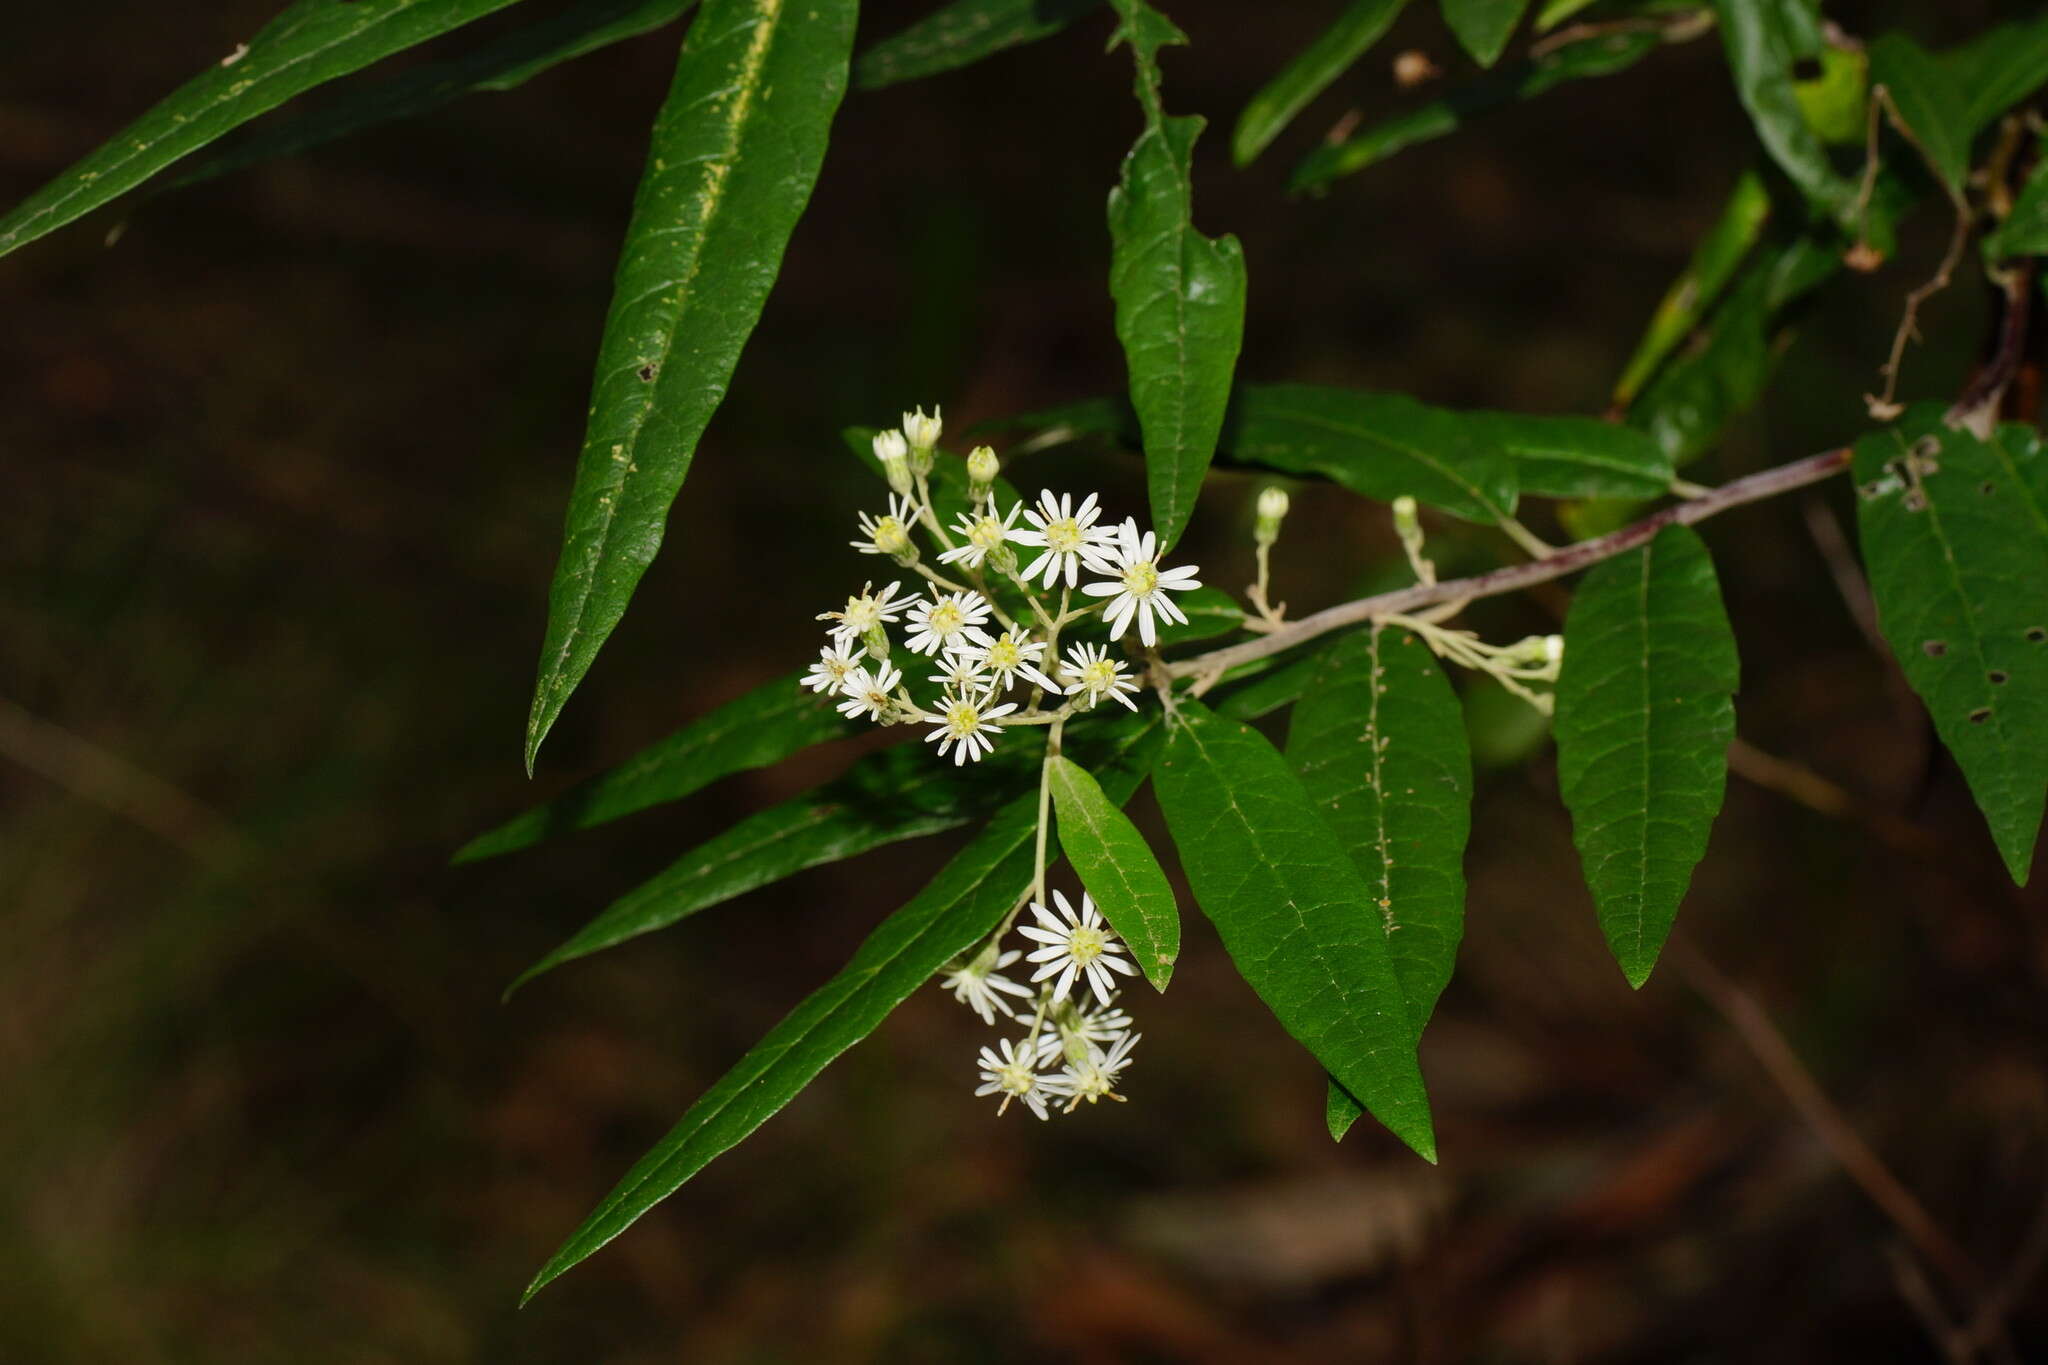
(1802, 784)
(1847, 573)
(1911, 1282)
(1513, 578)
(1883, 406)
(1977, 409)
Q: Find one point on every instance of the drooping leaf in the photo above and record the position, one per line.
(961, 34)
(1210, 612)
(1309, 74)
(1378, 741)
(1644, 719)
(735, 151)
(1930, 102)
(312, 42)
(1578, 457)
(1296, 917)
(1955, 538)
(1765, 41)
(1116, 866)
(2025, 230)
(1379, 444)
(1483, 27)
(1999, 68)
(502, 64)
(1179, 295)
(1713, 264)
(1602, 55)
(961, 905)
(763, 727)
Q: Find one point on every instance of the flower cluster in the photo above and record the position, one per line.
(1074, 1047)
(993, 631)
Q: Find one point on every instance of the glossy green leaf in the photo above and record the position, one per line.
(1713, 264)
(502, 64)
(312, 42)
(1931, 103)
(2025, 230)
(1955, 539)
(1602, 55)
(1378, 741)
(1210, 611)
(1340, 1111)
(1379, 444)
(1578, 457)
(1999, 68)
(1765, 40)
(1116, 866)
(735, 151)
(1179, 296)
(961, 34)
(1309, 74)
(1297, 919)
(1835, 104)
(1483, 27)
(1644, 719)
(765, 726)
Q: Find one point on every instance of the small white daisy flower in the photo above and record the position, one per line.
(831, 670)
(1012, 655)
(888, 534)
(864, 611)
(965, 725)
(920, 431)
(980, 985)
(1139, 586)
(870, 694)
(1083, 943)
(947, 621)
(1073, 1029)
(1095, 675)
(1011, 1075)
(962, 671)
(980, 535)
(1094, 1077)
(1068, 537)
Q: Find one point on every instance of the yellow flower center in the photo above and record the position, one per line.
(1084, 945)
(890, 537)
(985, 534)
(946, 619)
(1063, 536)
(1004, 655)
(962, 719)
(1142, 579)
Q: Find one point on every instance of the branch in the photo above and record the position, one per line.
(1571, 559)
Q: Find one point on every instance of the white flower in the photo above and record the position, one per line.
(894, 453)
(1073, 1029)
(980, 535)
(921, 431)
(976, 984)
(1095, 676)
(966, 724)
(1012, 1076)
(947, 620)
(888, 534)
(962, 671)
(1012, 654)
(831, 670)
(1082, 944)
(1140, 585)
(870, 694)
(864, 612)
(1094, 1077)
(1069, 538)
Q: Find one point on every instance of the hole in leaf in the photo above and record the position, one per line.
(1808, 69)
(2037, 634)
(646, 373)
(1987, 488)
(1935, 648)
(1980, 715)
(1997, 676)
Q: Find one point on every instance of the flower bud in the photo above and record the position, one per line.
(877, 641)
(982, 467)
(1407, 521)
(922, 431)
(1553, 649)
(1272, 509)
(894, 453)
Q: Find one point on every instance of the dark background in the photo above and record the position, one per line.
(284, 475)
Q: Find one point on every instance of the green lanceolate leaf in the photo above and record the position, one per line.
(1378, 740)
(2025, 230)
(1116, 866)
(1765, 40)
(1309, 74)
(1296, 917)
(1179, 295)
(1955, 538)
(1932, 104)
(962, 904)
(1379, 444)
(765, 726)
(1999, 68)
(1644, 719)
(1597, 56)
(735, 151)
(961, 34)
(1578, 457)
(312, 42)
(1714, 263)
(1483, 27)
(503, 64)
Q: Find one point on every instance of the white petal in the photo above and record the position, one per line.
(1102, 589)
